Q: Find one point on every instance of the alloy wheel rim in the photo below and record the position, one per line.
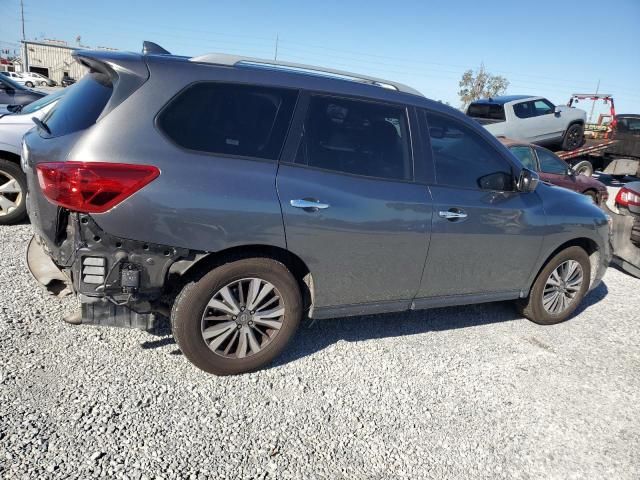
(562, 287)
(10, 194)
(242, 318)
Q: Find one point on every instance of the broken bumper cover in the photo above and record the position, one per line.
(626, 254)
(119, 282)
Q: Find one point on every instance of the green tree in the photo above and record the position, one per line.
(480, 84)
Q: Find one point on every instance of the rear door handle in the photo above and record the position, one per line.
(309, 204)
(453, 214)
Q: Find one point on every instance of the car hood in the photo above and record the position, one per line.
(588, 182)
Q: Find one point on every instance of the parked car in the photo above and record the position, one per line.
(32, 79)
(13, 182)
(16, 77)
(626, 150)
(12, 93)
(531, 119)
(552, 169)
(262, 191)
(67, 80)
(626, 228)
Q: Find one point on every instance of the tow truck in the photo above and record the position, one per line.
(603, 150)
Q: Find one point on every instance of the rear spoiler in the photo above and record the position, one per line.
(126, 72)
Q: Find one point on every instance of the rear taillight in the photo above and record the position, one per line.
(627, 197)
(92, 187)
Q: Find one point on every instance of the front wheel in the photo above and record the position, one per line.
(238, 317)
(573, 137)
(43, 84)
(559, 288)
(29, 84)
(13, 189)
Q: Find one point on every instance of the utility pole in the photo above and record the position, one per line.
(594, 102)
(275, 57)
(24, 39)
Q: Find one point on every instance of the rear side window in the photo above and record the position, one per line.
(490, 111)
(356, 137)
(464, 159)
(226, 119)
(81, 105)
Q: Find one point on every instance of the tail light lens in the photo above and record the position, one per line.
(627, 197)
(90, 187)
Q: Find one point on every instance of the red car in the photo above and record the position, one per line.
(556, 171)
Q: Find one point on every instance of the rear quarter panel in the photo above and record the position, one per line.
(200, 201)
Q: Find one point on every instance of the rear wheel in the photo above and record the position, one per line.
(559, 288)
(593, 195)
(13, 189)
(573, 137)
(238, 317)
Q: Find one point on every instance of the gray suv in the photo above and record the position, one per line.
(241, 194)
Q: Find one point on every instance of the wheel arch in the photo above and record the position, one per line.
(184, 271)
(586, 243)
(10, 156)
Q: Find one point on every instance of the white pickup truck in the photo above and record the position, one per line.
(531, 119)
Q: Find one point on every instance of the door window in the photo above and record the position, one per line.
(526, 157)
(549, 163)
(533, 108)
(464, 159)
(356, 137)
(227, 119)
(543, 107)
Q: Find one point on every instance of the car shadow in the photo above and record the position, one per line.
(314, 336)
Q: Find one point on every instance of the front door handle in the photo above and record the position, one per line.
(453, 214)
(309, 204)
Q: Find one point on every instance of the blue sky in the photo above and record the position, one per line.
(550, 48)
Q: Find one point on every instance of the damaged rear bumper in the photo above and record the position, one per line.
(626, 253)
(119, 282)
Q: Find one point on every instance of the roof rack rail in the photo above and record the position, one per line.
(240, 61)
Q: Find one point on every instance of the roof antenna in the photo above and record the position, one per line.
(150, 48)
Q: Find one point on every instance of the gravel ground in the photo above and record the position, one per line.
(473, 392)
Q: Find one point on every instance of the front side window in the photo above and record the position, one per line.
(227, 119)
(464, 159)
(524, 110)
(356, 137)
(549, 163)
(543, 107)
(525, 155)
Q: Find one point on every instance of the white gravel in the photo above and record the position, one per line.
(473, 392)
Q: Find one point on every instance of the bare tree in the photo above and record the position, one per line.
(480, 84)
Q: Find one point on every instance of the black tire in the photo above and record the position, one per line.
(13, 170)
(593, 195)
(573, 137)
(583, 168)
(532, 306)
(29, 84)
(43, 84)
(190, 305)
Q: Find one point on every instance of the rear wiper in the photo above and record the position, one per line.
(41, 125)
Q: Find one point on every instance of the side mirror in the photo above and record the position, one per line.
(557, 110)
(570, 171)
(527, 181)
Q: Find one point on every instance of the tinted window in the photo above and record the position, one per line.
(534, 108)
(629, 124)
(43, 102)
(549, 163)
(225, 119)
(464, 159)
(81, 105)
(356, 137)
(525, 155)
(486, 110)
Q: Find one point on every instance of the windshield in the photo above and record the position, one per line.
(43, 102)
(10, 83)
